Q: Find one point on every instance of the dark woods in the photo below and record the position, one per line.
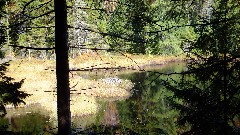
(207, 94)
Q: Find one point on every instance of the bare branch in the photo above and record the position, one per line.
(33, 48)
(88, 8)
(41, 5)
(31, 18)
(122, 36)
(95, 49)
(27, 4)
(100, 68)
(192, 25)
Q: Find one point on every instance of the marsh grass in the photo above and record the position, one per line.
(124, 60)
(40, 81)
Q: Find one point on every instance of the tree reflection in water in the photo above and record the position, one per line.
(110, 117)
(147, 111)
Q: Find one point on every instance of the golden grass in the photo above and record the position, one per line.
(125, 60)
(40, 77)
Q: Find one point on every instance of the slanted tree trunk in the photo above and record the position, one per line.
(62, 68)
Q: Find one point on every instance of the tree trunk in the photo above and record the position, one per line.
(62, 68)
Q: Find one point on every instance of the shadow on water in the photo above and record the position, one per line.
(25, 121)
(145, 112)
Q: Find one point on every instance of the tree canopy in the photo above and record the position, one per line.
(209, 90)
(207, 31)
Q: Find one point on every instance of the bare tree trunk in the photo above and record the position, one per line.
(62, 68)
(7, 31)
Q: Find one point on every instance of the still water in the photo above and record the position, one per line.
(147, 111)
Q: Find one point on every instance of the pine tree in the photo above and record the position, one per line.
(9, 90)
(209, 91)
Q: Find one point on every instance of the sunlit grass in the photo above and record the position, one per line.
(40, 81)
(124, 60)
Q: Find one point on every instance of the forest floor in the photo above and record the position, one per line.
(40, 79)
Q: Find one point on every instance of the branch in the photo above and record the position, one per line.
(31, 18)
(33, 48)
(95, 49)
(41, 5)
(109, 34)
(103, 68)
(29, 27)
(192, 25)
(28, 3)
(52, 48)
(88, 8)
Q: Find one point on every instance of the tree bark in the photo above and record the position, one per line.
(62, 68)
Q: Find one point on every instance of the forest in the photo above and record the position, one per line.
(77, 57)
(155, 27)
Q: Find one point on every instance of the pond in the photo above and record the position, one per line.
(147, 111)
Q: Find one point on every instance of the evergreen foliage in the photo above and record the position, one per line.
(31, 24)
(143, 26)
(149, 27)
(209, 91)
(9, 90)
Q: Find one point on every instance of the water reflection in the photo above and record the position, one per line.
(111, 117)
(145, 112)
(24, 121)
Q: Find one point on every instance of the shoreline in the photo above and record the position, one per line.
(40, 76)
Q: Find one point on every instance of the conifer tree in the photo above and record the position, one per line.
(9, 90)
(209, 91)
